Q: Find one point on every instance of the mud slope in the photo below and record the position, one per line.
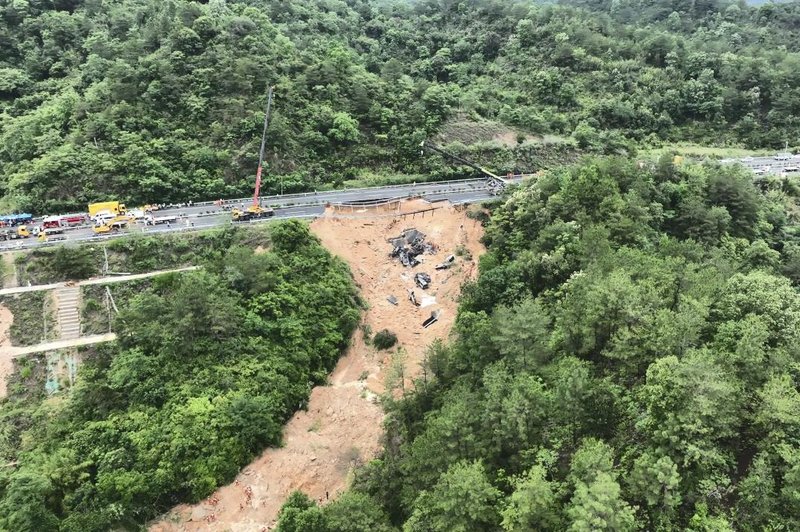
(342, 426)
(6, 351)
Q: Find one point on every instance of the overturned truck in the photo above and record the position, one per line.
(409, 246)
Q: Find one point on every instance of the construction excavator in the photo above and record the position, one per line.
(494, 183)
(255, 210)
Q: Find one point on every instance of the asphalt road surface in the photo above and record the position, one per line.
(206, 215)
(769, 165)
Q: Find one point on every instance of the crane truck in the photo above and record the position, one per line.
(255, 210)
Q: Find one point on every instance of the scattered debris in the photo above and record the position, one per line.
(427, 301)
(447, 263)
(423, 280)
(409, 246)
(392, 300)
(433, 319)
(412, 298)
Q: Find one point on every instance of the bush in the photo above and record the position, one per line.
(73, 263)
(366, 329)
(384, 339)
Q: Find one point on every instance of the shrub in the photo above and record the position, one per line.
(384, 339)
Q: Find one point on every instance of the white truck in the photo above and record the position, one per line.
(159, 220)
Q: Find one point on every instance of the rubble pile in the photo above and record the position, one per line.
(410, 245)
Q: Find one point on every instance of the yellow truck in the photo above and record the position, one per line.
(15, 233)
(107, 225)
(112, 207)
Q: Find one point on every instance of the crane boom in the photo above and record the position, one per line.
(261, 152)
(460, 159)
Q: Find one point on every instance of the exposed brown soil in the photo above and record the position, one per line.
(10, 277)
(6, 352)
(343, 424)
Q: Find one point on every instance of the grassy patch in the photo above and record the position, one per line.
(366, 330)
(467, 131)
(135, 254)
(61, 263)
(463, 252)
(34, 318)
(315, 425)
(375, 179)
(704, 151)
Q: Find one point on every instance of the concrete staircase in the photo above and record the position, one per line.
(69, 317)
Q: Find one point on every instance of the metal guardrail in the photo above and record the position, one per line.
(127, 234)
(323, 192)
(447, 187)
(475, 180)
(299, 195)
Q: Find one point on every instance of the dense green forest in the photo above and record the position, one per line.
(207, 367)
(627, 360)
(162, 100)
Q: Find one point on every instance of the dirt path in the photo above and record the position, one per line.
(10, 278)
(99, 280)
(6, 360)
(59, 344)
(343, 424)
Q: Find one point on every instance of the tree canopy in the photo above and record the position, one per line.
(207, 367)
(614, 367)
(162, 101)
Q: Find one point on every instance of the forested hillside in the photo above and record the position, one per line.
(627, 360)
(160, 101)
(207, 367)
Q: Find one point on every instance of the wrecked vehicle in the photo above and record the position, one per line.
(449, 261)
(433, 319)
(410, 245)
(423, 280)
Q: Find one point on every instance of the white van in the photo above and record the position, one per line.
(102, 217)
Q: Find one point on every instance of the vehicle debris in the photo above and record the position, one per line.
(423, 280)
(413, 298)
(427, 301)
(392, 300)
(433, 319)
(447, 263)
(409, 246)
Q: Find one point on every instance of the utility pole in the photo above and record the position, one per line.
(261, 152)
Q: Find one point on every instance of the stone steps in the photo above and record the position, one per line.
(68, 314)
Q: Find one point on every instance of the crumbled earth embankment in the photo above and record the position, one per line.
(342, 426)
